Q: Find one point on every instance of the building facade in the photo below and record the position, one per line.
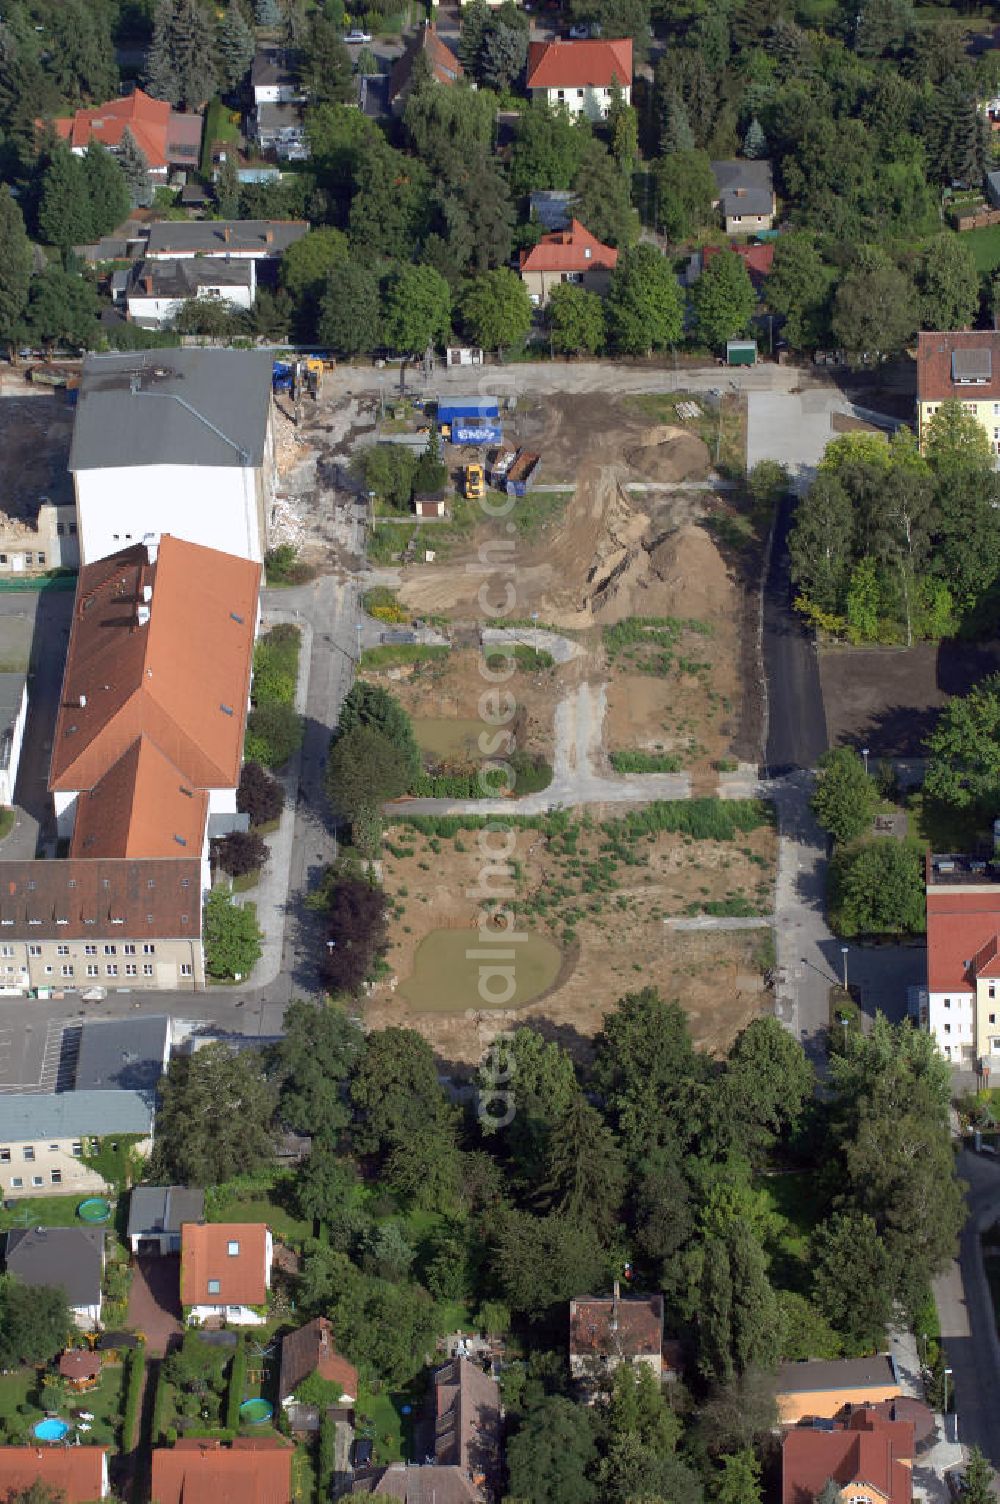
(50, 542)
(580, 77)
(961, 1005)
(158, 289)
(959, 366)
(746, 199)
(45, 1136)
(13, 714)
(174, 441)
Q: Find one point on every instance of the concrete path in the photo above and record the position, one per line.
(563, 649)
(721, 922)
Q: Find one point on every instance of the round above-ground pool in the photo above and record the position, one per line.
(94, 1209)
(256, 1412)
(50, 1429)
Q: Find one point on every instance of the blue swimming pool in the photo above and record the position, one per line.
(50, 1429)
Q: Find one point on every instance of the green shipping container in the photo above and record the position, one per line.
(741, 352)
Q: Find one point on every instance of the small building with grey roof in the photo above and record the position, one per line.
(155, 1216)
(123, 1054)
(174, 441)
(157, 290)
(745, 195)
(61, 1258)
(259, 239)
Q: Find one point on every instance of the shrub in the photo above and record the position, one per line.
(645, 762)
(846, 799)
(240, 852)
(878, 889)
(135, 1369)
(237, 1383)
(363, 770)
(356, 931)
(284, 567)
(259, 795)
(274, 732)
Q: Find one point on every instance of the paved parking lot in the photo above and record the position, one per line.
(792, 427)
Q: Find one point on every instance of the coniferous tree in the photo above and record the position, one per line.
(135, 170)
(108, 190)
(15, 270)
(236, 48)
(181, 62)
(754, 142)
(64, 217)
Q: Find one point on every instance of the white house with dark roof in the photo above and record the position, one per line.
(61, 1258)
(45, 1135)
(745, 195)
(174, 441)
(156, 290)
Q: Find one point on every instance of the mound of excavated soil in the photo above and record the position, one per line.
(673, 456)
(693, 574)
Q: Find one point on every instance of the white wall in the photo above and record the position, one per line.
(8, 775)
(951, 1020)
(276, 93)
(235, 1315)
(594, 103)
(165, 310)
(214, 505)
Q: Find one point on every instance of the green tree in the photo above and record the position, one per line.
(852, 1279)
(645, 1068)
(64, 214)
(540, 1261)
(314, 1061)
(878, 889)
(389, 207)
(274, 733)
(372, 706)
(739, 1481)
(768, 1081)
(644, 302)
(963, 767)
(953, 131)
(496, 309)
(602, 200)
(227, 189)
(754, 142)
(979, 1480)
(724, 299)
(34, 1323)
(232, 936)
(180, 64)
(874, 314)
(79, 55)
(349, 310)
(548, 148)
(685, 192)
(416, 309)
(364, 769)
(846, 799)
(107, 189)
(62, 309)
(956, 440)
(584, 1175)
(236, 48)
(135, 171)
(549, 1455)
(948, 283)
(503, 52)
(15, 270)
(576, 320)
(799, 289)
(395, 1093)
(820, 544)
(326, 72)
(215, 1117)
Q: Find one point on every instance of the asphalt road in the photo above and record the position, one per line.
(796, 721)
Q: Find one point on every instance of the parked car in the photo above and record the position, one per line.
(579, 33)
(362, 1450)
(357, 37)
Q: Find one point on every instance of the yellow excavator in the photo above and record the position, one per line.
(474, 483)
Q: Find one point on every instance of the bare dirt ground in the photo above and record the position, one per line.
(35, 435)
(612, 933)
(888, 699)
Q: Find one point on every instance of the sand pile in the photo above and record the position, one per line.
(691, 573)
(670, 456)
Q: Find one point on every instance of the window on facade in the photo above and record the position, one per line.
(56, 1177)
(37, 1180)
(947, 1028)
(111, 971)
(48, 971)
(131, 971)
(147, 970)
(214, 1287)
(28, 1152)
(149, 949)
(93, 971)
(233, 1248)
(90, 950)
(111, 950)
(186, 969)
(76, 1148)
(129, 950)
(4, 1156)
(16, 1183)
(34, 950)
(947, 1002)
(62, 950)
(6, 950)
(67, 971)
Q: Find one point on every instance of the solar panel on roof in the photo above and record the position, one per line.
(971, 365)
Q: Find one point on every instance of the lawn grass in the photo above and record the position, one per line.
(985, 247)
(42, 1211)
(533, 513)
(303, 1474)
(14, 1390)
(395, 655)
(938, 827)
(267, 1204)
(218, 127)
(7, 818)
(380, 1417)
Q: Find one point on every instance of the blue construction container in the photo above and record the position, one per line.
(469, 407)
(471, 430)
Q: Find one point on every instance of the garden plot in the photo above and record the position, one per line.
(599, 890)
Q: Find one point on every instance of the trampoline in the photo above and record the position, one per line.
(94, 1209)
(256, 1412)
(50, 1429)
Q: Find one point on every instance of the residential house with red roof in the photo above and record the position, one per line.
(959, 365)
(166, 137)
(443, 65)
(758, 259)
(961, 1007)
(76, 1475)
(572, 255)
(868, 1455)
(251, 1470)
(580, 77)
(312, 1350)
(225, 1273)
(607, 1331)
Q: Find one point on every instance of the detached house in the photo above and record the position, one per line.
(605, 1332)
(312, 1350)
(444, 65)
(174, 441)
(226, 1272)
(252, 1470)
(76, 1475)
(869, 1456)
(62, 1258)
(746, 198)
(165, 137)
(572, 255)
(156, 291)
(580, 77)
(822, 1389)
(963, 366)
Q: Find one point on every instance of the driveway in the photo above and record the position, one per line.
(154, 1303)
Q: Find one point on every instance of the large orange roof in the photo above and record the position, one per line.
(572, 250)
(147, 119)
(143, 806)
(179, 679)
(959, 926)
(234, 1253)
(75, 1472)
(251, 1471)
(579, 65)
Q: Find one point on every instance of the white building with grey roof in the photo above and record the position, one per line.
(174, 441)
(47, 1137)
(156, 291)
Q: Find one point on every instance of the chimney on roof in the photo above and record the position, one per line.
(227, 234)
(147, 282)
(152, 542)
(142, 615)
(269, 236)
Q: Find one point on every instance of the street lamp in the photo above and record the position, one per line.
(864, 754)
(843, 952)
(947, 1376)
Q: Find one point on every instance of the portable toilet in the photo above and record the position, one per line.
(741, 352)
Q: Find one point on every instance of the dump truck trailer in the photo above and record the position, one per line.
(514, 471)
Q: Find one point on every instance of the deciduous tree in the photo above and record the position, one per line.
(416, 309)
(314, 1061)
(644, 302)
(948, 284)
(964, 749)
(685, 191)
(496, 308)
(878, 889)
(215, 1117)
(874, 314)
(259, 795)
(576, 320)
(241, 852)
(349, 310)
(34, 1323)
(356, 933)
(852, 1280)
(846, 799)
(549, 1456)
(724, 299)
(799, 290)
